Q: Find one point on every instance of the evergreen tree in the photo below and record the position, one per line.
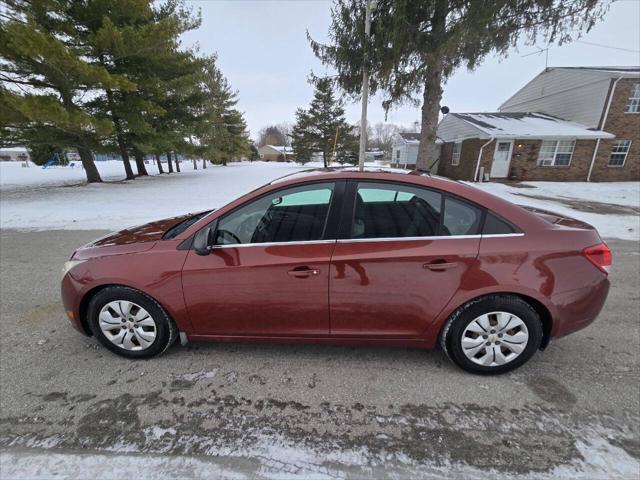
(46, 78)
(317, 128)
(132, 39)
(416, 45)
(221, 131)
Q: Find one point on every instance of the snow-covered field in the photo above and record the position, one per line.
(58, 198)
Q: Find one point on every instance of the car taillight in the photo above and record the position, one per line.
(599, 255)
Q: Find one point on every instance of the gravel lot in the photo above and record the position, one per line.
(70, 407)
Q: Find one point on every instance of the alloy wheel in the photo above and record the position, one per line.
(494, 339)
(127, 325)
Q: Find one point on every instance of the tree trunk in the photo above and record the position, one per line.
(93, 176)
(122, 145)
(125, 157)
(177, 163)
(169, 163)
(159, 163)
(204, 164)
(139, 156)
(427, 151)
(195, 165)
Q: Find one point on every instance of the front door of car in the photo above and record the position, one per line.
(267, 272)
(402, 255)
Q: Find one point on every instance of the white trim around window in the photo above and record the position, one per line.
(556, 153)
(633, 104)
(455, 154)
(619, 153)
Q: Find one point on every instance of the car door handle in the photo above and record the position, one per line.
(302, 272)
(440, 266)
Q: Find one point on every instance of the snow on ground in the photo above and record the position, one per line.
(626, 194)
(58, 198)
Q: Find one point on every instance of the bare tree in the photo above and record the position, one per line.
(279, 134)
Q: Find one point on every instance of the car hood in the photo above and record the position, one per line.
(129, 240)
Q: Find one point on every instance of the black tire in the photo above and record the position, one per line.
(166, 331)
(451, 336)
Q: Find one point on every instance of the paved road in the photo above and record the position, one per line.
(243, 410)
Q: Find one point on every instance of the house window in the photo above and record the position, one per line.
(556, 153)
(634, 100)
(619, 153)
(398, 155)
(455, 157)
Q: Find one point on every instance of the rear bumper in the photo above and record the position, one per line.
(577, 309)
(71, 292)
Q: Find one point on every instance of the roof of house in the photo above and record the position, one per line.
(281, 149)
(13, 150)
(410, 137)
(460, 126)
(413, 138)
(614, 70)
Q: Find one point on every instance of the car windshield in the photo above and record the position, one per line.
(183, 225)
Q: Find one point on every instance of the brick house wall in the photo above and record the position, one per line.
(524, 161)
(625, 126)
(468, 157)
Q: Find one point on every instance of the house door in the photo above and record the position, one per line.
(501, 159)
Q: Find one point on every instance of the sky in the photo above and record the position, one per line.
(263, 50)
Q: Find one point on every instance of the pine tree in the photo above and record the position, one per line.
(221, 131)
(46, 78)
(317, 128)
(132, 39)
(416, 45)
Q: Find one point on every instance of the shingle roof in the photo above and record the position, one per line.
(523, 125)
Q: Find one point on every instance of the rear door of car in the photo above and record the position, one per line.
(402, 253)
(268, 271)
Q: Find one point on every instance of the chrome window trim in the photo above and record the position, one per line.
(501, 235)
(407, 239)
(271, 244)
(360, 240)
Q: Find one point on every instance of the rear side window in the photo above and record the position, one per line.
(494, 225)
(395, 211)
(460, 218)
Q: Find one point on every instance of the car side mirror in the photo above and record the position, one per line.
(202, 241)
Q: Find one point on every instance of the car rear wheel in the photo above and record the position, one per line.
(493, 334)
(130, 323)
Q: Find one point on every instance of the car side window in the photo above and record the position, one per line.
(291, 215)
(460, 218)
(496, 226)
(392, 210)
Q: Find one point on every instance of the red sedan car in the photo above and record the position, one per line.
(341, 256)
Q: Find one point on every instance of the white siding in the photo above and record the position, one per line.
(577, 95)
(453, 129)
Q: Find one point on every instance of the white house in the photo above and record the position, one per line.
(14, 154)
(405, 151)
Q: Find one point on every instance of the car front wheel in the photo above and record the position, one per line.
(493, 334)
(130, 323)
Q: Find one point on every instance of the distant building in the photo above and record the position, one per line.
(404, 153)
(586, 126)
(276, 153)
(14, 154)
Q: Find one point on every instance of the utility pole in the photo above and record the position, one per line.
(365, 86)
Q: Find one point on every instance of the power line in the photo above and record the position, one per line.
(608, 46)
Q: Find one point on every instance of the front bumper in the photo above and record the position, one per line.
(71, 292)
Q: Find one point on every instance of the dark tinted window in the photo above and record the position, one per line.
(495, 226)
(461, 218)
(391, 210)
(291, 215)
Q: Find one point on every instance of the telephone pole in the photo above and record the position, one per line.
(365, 86)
